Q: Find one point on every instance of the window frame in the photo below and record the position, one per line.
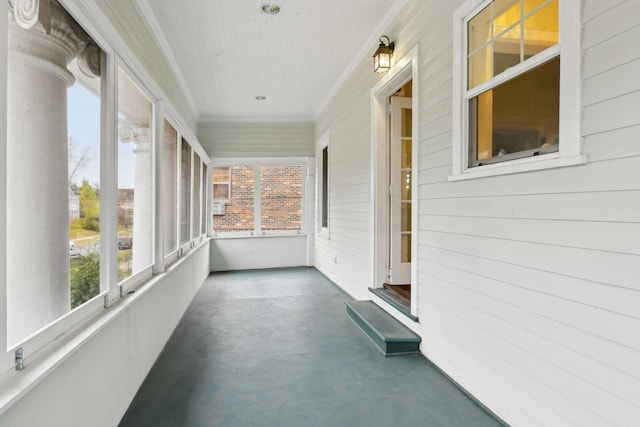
(256, 163)
(568, 49)
(323, 194)
(228, 184)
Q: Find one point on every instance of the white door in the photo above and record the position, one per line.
(400, 195)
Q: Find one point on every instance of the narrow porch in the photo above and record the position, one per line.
(275, 348)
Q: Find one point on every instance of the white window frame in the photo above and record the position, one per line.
(569, 50)
(222, 199)
(323, 143)
(256, 163)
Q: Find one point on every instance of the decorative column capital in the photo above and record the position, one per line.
(138, 133)
(50, 19)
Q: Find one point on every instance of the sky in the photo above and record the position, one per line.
(83, 121)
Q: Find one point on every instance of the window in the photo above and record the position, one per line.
(185, 193)
(203, 180)
(170, 188)
(54, 138)
(221, 183)
(323, 186)
(513, 86)
(135, 177)
(263, 199)
(195, 220)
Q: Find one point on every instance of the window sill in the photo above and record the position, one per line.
(547, 161)
(255, 236)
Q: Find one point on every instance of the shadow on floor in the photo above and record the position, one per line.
(275, 348)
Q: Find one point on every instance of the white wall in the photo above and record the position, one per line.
(240, 139)
(528, 290)
(93, 384)
(258, 252)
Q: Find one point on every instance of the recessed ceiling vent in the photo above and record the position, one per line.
(270, 9)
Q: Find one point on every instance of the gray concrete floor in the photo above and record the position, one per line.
(275, 348)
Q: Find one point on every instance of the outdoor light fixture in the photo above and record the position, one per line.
(382, 57)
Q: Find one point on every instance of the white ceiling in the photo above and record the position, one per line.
(227, 52)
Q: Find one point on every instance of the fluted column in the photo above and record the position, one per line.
(142, 233)
(43, 39)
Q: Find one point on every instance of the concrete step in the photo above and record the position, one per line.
(387, 333)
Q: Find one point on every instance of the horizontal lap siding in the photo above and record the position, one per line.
(528, 289)
(257, 139)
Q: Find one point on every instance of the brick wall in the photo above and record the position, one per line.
(280, 199)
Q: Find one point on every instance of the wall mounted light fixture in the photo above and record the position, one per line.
(382, 57)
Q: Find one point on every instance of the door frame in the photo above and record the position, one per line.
(405, 69)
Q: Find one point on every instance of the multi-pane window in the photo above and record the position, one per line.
(516, 93)
(262, 199)
(513, 103)
(324, 188)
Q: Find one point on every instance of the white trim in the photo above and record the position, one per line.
(568, 50)
(259, 119)
(405, 69)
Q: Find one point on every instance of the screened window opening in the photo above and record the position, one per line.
(53, 171)
(185, 192)
(195, 221)
(170, 188)
(281, 198)
(221, 183)
(134, 203)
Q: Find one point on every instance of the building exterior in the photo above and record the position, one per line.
(524, 272)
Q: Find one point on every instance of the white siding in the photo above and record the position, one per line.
(237, 139)
(528, 290)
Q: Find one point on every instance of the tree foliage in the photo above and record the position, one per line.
(85, 279)
(89, 207)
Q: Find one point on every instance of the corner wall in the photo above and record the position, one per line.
(94, 384)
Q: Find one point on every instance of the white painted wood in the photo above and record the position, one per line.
(257, 139)
(258, 252)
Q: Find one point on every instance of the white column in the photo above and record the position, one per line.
(41, 43)
(142, 226)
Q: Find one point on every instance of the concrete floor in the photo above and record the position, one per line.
(275, 348)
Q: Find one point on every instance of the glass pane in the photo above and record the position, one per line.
(134, 242)
(541, 30)
(280, 197)
(203, 208)
(479, 66)
(530, 5)
(170, 188)
(405, 184)
(406, 122)
(406, 154)
(53, 174)
(195, 208)
(221, 175)
(519, 115)
(506, 14)
(405, 248)
(185, 192)
(325, 187)
(479, 29)
(405, 216)
(238, 211)
(506, 50)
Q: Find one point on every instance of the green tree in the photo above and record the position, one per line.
(89, 207)
(85, 279)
